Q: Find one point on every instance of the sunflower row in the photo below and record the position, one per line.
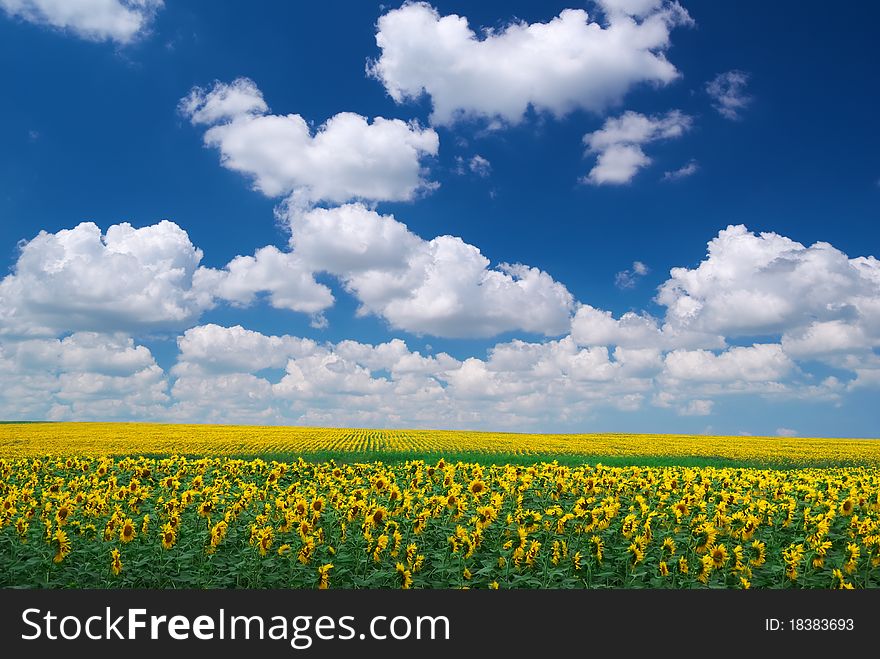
(96, 439)
(222, 522)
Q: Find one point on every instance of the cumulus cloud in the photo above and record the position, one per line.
(69, 352)
(568, 63)
(757, 363)
(441, 286)
(618, 144)
(121, 21)
(728, 93)
(816, 297)
(81, 279)
(387, 383)
(289, 283)
(347, 157)
(85, 376)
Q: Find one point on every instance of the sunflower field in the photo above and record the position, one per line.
(222, 522)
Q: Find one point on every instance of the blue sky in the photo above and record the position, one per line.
(772, 333)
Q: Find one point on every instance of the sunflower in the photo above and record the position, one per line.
(477, 487)
(115, 562)
(378, 516)
(324, 576)
(62, 514)
(169, 536)
(62, 543)
(127, 532)
(846, 508)
(840, 580)
(852, 557)
(664, 569)
(705, 568)
(598, 547)
(668, 547)
(719, 556)
(759, 553)
(405, 576)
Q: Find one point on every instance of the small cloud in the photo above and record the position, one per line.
(476, 165)
(33, 135)
(682, 172)
(618, 144)
(629, 278)
(786, 432)
(480, 166)
(697, 408)
(728, 91)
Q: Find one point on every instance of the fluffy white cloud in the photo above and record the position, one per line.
(728, 93)
(85, 376)
(289, 283)
(752, 285)
(389, 384)
(348, 157)
(758, 363)
(591, 326)
(441, 286)
(81, 279)
(215, 349)
(682, 361)
(568, 63)
(618, 144)
(96, 20)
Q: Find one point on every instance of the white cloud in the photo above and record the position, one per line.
(388, 384)
(728, 93)
(289, 283)
(480, 166)
(618, 144)
(81, 279)
(699, 407)
(591, 326)
(684, 171)
(681, 361)
(629, 278)
(441, 286)
(786, 432)
(121, 21)
(750, 285)
(215, 349)
(348, 157)
(85, 376)
(240, 98)
(565, 64)
(758, 363)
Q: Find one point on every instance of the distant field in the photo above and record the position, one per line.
(279, 442)
(174, 506)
